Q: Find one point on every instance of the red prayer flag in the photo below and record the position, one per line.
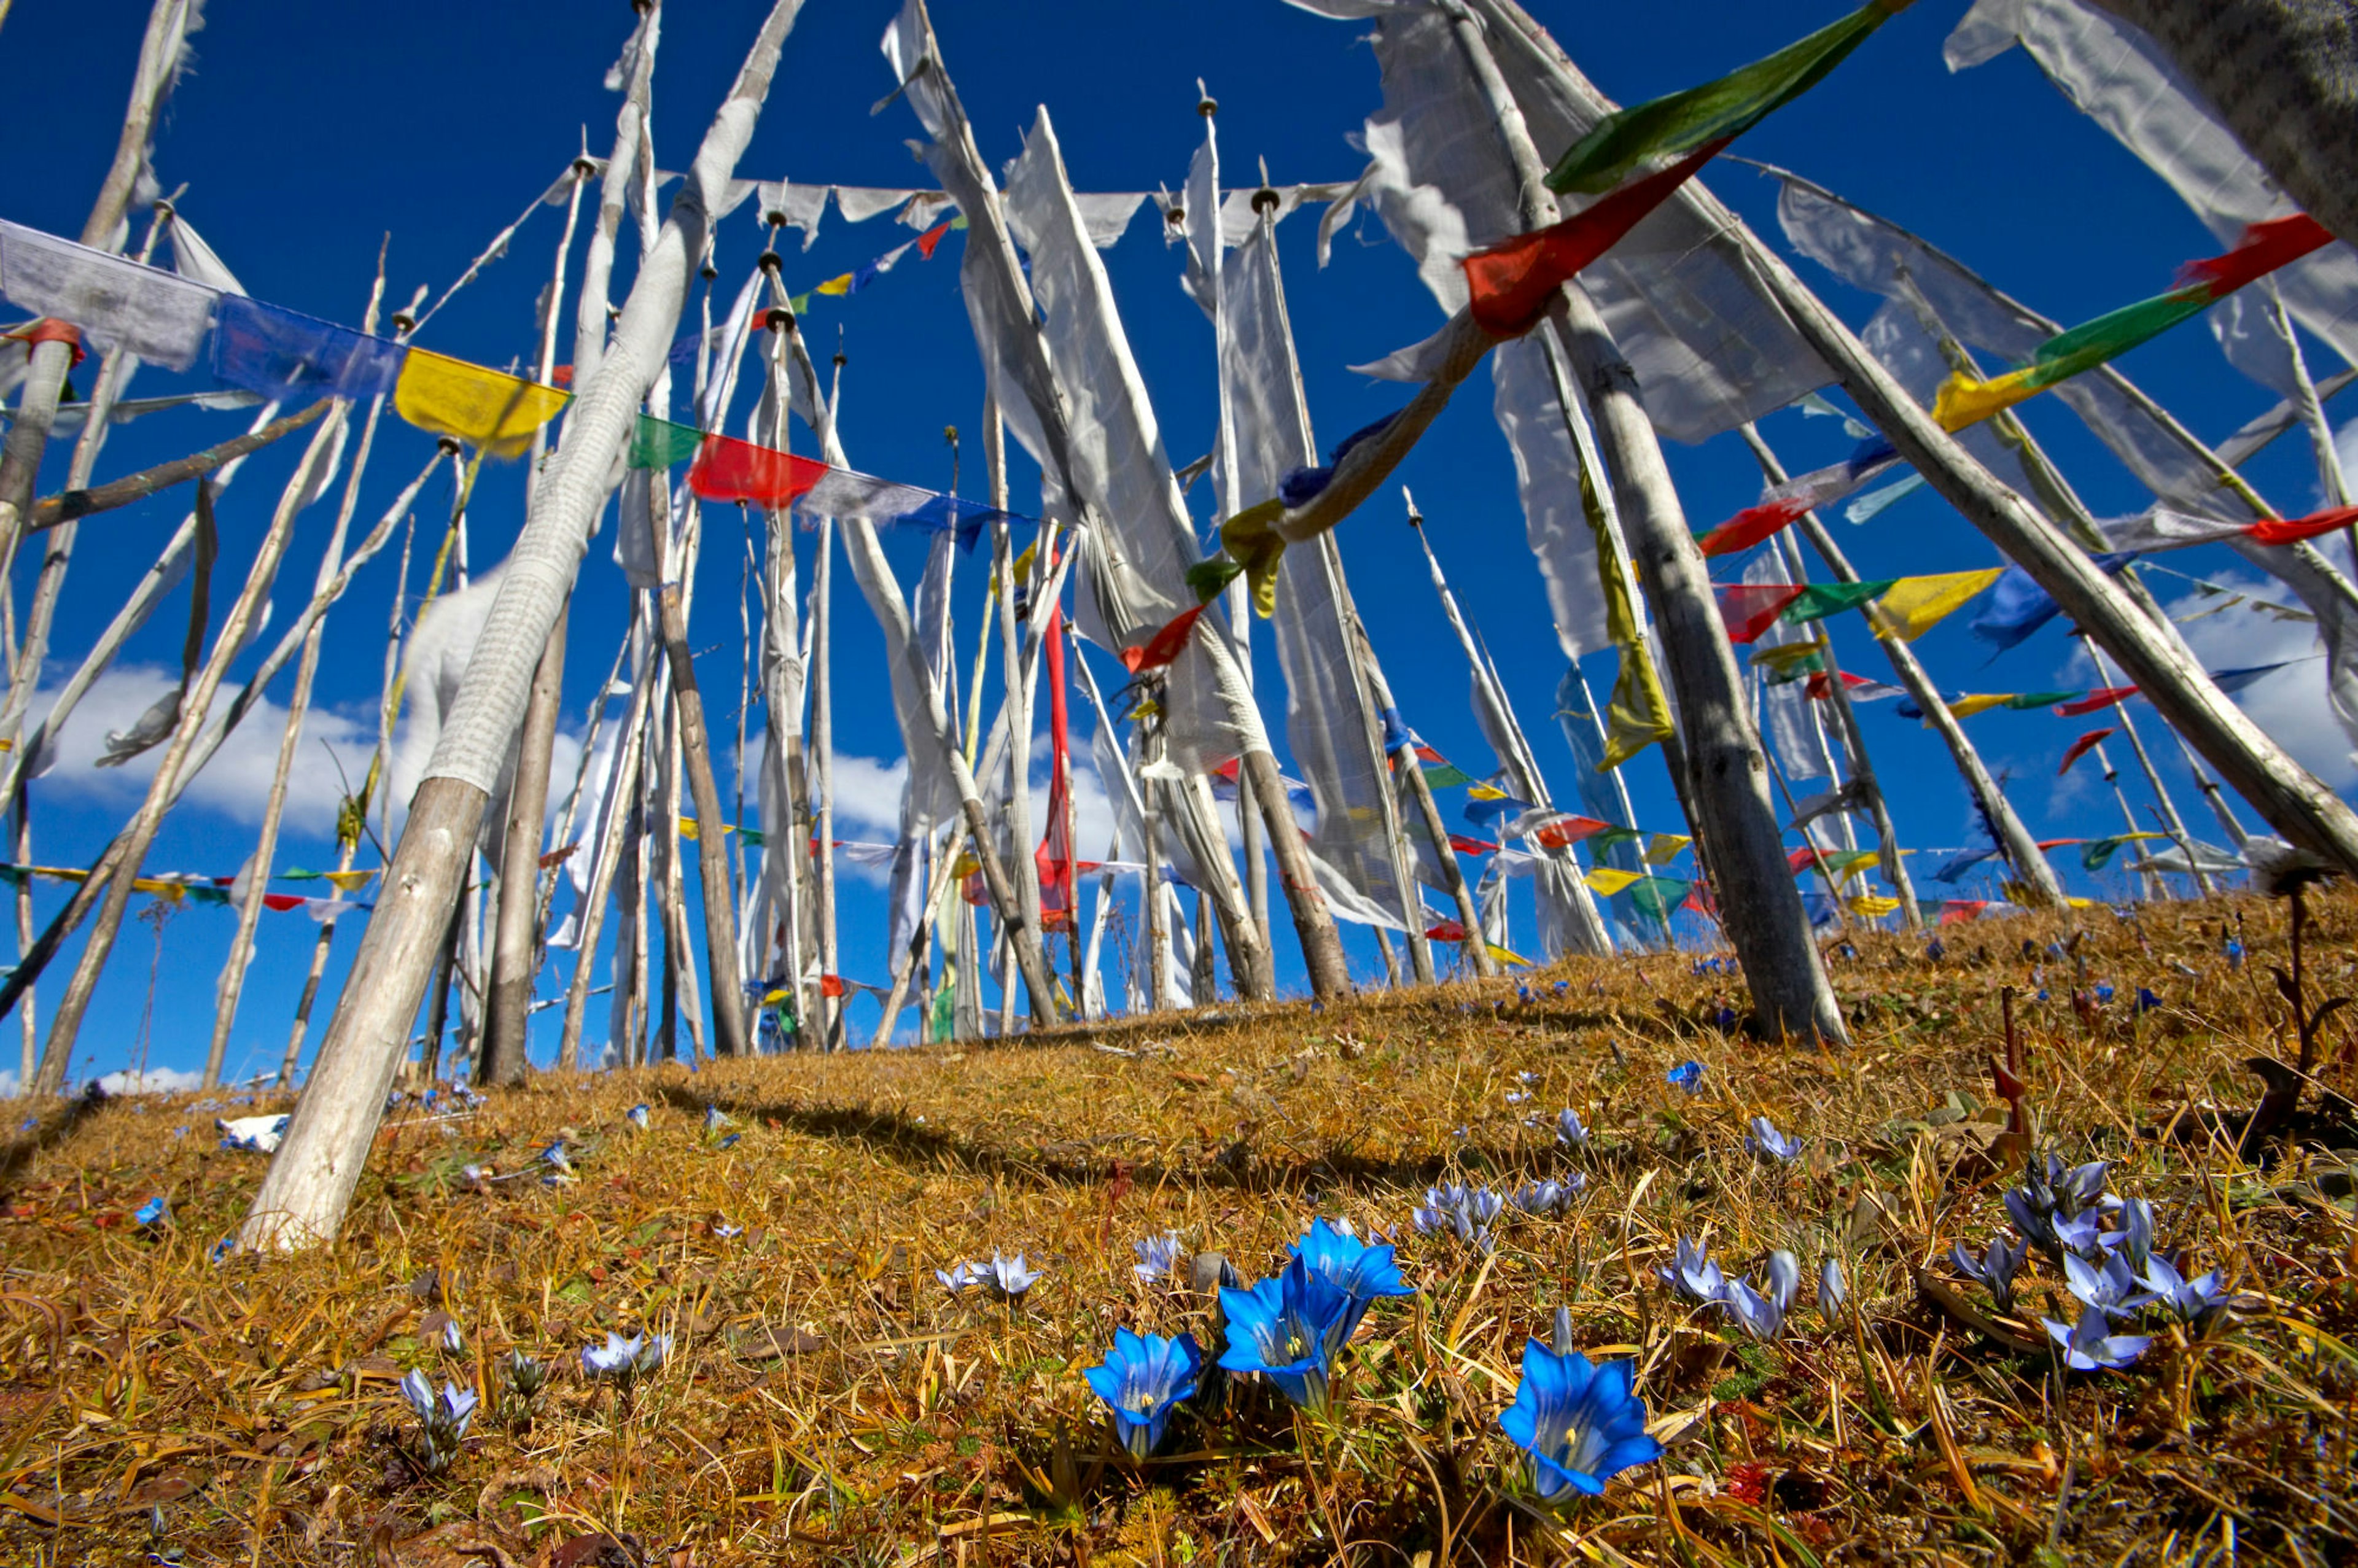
(1751, 525)
(1567, 831)
(1801, 860)
(2082, 746)
(2292, 530)
(282, 902)
(2046, 844)
(2264, 247)
(1058, 898)
(1962, 911)
(1514, 283)
(1749, 609)
(932, 237)
(2102, 696)
(1465, 845)
(727, 469)
(831, 985)
(1163, 646)
(1446, 931)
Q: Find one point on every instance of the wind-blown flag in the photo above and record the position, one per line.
(1860, 688)
(2083, 745)
(485, 408)
(2017, 606)
(1916, 604)
(1513, 283)
(2102, 696)
(1782, 504)
(1749, 609)
(2264, 247)
(2232, 681)
(1163, 647)
(1819, 599)
(727, 469)
(1965, 860)
(1788, 661)
(2099, 852)
(1715, 112)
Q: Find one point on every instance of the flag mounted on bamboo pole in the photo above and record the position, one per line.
(1714, 112)
(1816, 601)
(2264, 247)
(2098, 852)
(487, 409)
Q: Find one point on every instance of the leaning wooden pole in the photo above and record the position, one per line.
(45, 375)
(299, 705)
(141, 832)
(303, 1198)
(1761, 909)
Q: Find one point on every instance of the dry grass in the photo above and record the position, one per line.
(829, 1401)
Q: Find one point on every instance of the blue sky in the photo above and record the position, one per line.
(307, 140)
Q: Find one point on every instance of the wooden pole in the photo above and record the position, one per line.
(71, 504)
(141, 832)
(309, 1185)
(45, 375)
(1761, 908)
(2038, 877)
(711, 842)
(590, 913)
(822, 682)
(298, 704)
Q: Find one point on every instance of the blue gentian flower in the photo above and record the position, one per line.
(1831, 1292)
(1143, 1377)
(452, 1341)
(1694, 1275)
(637, 1117)
(2235, 953)
(624, 1360)
(1568, 1131)
(1523, 994)
(725, 1230)
(2104, 992)
(2136, 1232)
(1157, 1256)
(1282, 1327)
(2194, 1302)
(2146, 1001)
(556, 1157)
(730, 1142)
(1765, 1141)
(1551, 1196)
(2108, 1285)
(1007, 1277)
(1464, 1211)
(957, 1278)
(1762, 1313)
(1936, 950)
(1360, 1272)
(2088, 1346)
(152, 1213)
(1687, 1076)
(1580, 1422)
(1724, 1019)
(714, 1119)
(443, 1417)
(1561, 987)
(1996, 1271)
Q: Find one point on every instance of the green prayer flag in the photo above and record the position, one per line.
(658, 443)
(1658, 896)
(1684, 121)
(754, 838)
(1441, 775)
(1820, 599)
(2030, 701)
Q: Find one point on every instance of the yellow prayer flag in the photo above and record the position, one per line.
(1664, 848)
(1484, 792)
(1914, 605)
(348, 882)
(1976, 702)
(1870, 907)
(1785, 656)
(687, 828)
(1849, 869)
(1962, 402)
(836, 285)
(1607, 880)
(1251, 541)
(1508, 955)
(482, 407)
(1638, 715)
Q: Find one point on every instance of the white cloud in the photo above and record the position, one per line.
(154, 1081)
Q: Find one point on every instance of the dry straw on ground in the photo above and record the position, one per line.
(826, 1400)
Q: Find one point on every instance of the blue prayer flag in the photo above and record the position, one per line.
(287, 357)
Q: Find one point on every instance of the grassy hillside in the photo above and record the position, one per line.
(826, 1399)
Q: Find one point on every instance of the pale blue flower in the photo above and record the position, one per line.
(637, 1117)
(957, 1278)
(2196, 1303)
(1459, 1210)
(451, 1339)
(1568, 1131)
(442, 1418)
(2088, 1345)
(1007, 1277)
(1551, 1196)
(1694, 1275)
(626, 1359)
(1762, 1313)
(714, 1119)
(1157, 1256)
(2108, 1285)
(1995, 1271)
(1766, 1141)
(2136, 1232)
(1831, 1292)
